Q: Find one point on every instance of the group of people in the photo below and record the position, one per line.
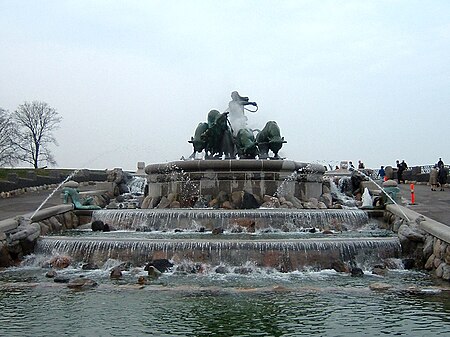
(438, 176)
(351, 166)
(401, 167)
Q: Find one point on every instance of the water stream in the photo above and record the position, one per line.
(70, 176)
(384, 191)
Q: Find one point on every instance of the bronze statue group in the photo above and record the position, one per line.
(226, 135)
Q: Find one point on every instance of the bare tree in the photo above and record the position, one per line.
(8, 153)
(36, 122)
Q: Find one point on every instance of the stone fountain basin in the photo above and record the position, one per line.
(282, 254)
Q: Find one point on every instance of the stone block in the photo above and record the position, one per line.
(437, 262)
(446, 272)
(429, 263)
(437, 248)
(440, 270)
(8, 225)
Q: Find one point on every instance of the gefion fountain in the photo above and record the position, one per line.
(234, 241)
(234, 206)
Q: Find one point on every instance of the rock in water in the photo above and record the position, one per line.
(357, 272)
(153, 273)
(82, 283)
(217, 230)
(162, 265)
(116, 273)
(61, 279)
(60, 261)
(379, 286)
(97, 226)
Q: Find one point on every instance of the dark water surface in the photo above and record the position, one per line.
(264, 303)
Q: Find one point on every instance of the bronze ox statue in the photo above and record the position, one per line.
(246, 145)
(197, 142)
(215, 137)
(269, 139)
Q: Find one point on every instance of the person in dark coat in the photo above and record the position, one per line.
(442, 177)
(402, 167)
(399, 171)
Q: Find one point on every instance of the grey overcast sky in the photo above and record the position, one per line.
(366, 80)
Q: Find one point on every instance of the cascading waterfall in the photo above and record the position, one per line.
(136, 185)
(273, 253)
(190, 219)
(284, 251)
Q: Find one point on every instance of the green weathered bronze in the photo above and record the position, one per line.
(246, 145)
(270, 139)
(217, 137)
(72, 195)
(197, 141)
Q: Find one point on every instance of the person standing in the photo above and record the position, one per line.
(440, 163)
(433, 178)
(360, 165)
(442, 177)
(399, 171)
(382, 173)
(404, 168)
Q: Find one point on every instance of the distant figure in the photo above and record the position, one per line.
(401, 167)
(433, 178)
(237, 118)
(442, 177)
(351, 165)
(404, 168)
(360, 165)
(382, 173)
(337, 167)
(440, 163)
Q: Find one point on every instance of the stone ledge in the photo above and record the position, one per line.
(433, 227)
(8, 225)
(12, 223)
(49, 212)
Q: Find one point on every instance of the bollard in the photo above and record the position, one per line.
(413, 199)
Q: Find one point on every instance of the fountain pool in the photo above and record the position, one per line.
(263, 303)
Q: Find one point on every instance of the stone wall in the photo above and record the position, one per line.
(14, 182)
(424, 241)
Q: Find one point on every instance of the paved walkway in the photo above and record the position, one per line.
(27, 203)
(433, 204)
(30, 201)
